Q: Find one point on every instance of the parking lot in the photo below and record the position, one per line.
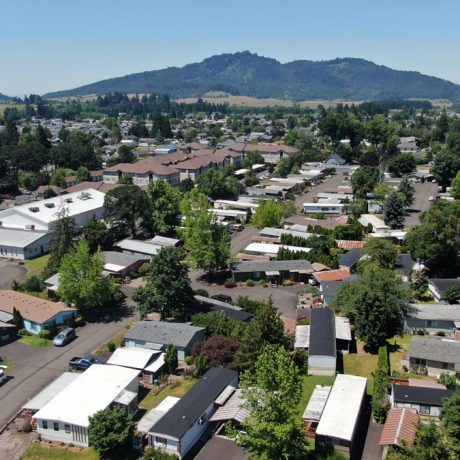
(8, 272)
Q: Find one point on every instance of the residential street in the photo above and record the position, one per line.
(34, 368)
(421, 203)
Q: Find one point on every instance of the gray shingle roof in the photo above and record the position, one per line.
(420, 395)
(121, 258)
(270, 265)
(443, 284)
(350, 258)
(179, 334)
(435, 311)
(322, 333)
(442, 350)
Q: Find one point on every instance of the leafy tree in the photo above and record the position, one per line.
(449, 380)
(76, 150)
(127, 208)
(214, 184)
(28, 180)
(17, 320)
(208, 241)
(376, 303)
(61, 241)
(167, 290)
(49, 193)
(436, 241)
(268, 214)
(377, 130)
(450, 417)
(171, 359)
(441, 127)
(252, 157)
(381, 191)
(158, 454)
(83, 174)
(419, 284)
(165, 206)
(453, 294)
(217, 323)
(364, 181)
(219, 351)
(406, 189)
(380, 251)
(186, 185)
(126, 179)
(110, 432)
(455, 187)
(58, 177)
(81, 281)
(394, 211)
(97, 235)
(445, 168)
(401, 164)
(272, 429)
(126, 154)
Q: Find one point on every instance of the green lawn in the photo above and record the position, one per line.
(35, 342)
(39, 452)
(36, 266)
(309, 383)
(116, 340)
(154, 397)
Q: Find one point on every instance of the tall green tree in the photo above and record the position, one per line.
(376, 303)
(445, 168)
(110, 432)
(394, 211)
(401, 164)
(407, 191)
(167, 290)
(380, 251)
(455, 187)
(171, 359)
(62, 240)
(96, 233)
(165, 206)
(208, 241)
(83, 174)
(364, 181)
(272, 429)
(127, 210)
(82, 282)
(268, 214)
(450, 418)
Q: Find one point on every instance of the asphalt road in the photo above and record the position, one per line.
(8, 272)
(421, 203)
(34, 368)
(241, 239)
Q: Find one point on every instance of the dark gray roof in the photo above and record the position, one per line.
(330, 288)
(435, 311)
(404, 264)
(443, 284)
(336, 157)
(322, 333)
(121, 258)
(350, 258)
(435, 349)
(190, 407)
(270, 265)
(420, 395)
(162, 332)
(214, 305)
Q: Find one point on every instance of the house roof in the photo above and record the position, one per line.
(270, 265)
(322, 333)
(302, 336)
(93, 390)
(232, 409)
(443, 284)
(192, 405)
(316, 403)
(162, 332)
(331, 275)
(164, 241)
(342, 328)
(5, 317)
(436, 349)
(133, 357)
(214, 305)
(151, 417)
(404, 264)
(349, 244)
(435, 311)
(343, 407)
(350, 258)
(139, 246)
(420, 395)
(337, 158)
(121, 259)
(19, 238)
(401, 425)
(32, 308)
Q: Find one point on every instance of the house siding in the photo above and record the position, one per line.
(322, 365)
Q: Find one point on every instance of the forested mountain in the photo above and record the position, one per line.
(4, 98)
(248, 74)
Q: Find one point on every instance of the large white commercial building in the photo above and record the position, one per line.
(65, 418)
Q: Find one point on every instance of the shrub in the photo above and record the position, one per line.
(79, 321)
(22, 332)
(229, 284)
(250, 283)
(45, 334)
(405, 368)
(303, 322)
(202, 292)
(111, 345)
(420, 332)
(380, 399)
(441, 333)
(263, 282)
(287, 282)
(188, 360)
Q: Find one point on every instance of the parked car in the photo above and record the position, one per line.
(81, 364)
(3, 376)
(237, 227)
(64, 337)
(432, 198)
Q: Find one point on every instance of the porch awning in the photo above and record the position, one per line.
(273, 273)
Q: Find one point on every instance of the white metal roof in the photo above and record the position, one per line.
(93, 390)
(277, 232)
(76, 203)
(302, 336)
(376, 222)
(267, 248)
(340, 415)
(157, 364)
(228, 212)
(142, 247)
(49, 392)
(113, 268)
(317, 402)
(19, 238)
(151, 417)
(342, 328)
(133, 357)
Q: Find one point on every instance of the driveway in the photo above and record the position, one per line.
(8, 272)
(372, 449)
(242, 239)
(34, 368)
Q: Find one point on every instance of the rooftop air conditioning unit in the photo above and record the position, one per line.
(68, 200)
(49, 205)
(34, 209)
(30, 227)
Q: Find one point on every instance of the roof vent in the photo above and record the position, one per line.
(30, 227)
(34, 209)
(68, 200)
(84, 196)
(49, 205)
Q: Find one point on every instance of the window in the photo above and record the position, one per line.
(424, 410)
(159, 440)
(448, 366)
(431, 324)
(420, 362)
(45, 424)
(67, 428)
(56, 426)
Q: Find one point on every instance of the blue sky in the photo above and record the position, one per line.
(51, 45)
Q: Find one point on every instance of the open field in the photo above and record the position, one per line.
(37, 265)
